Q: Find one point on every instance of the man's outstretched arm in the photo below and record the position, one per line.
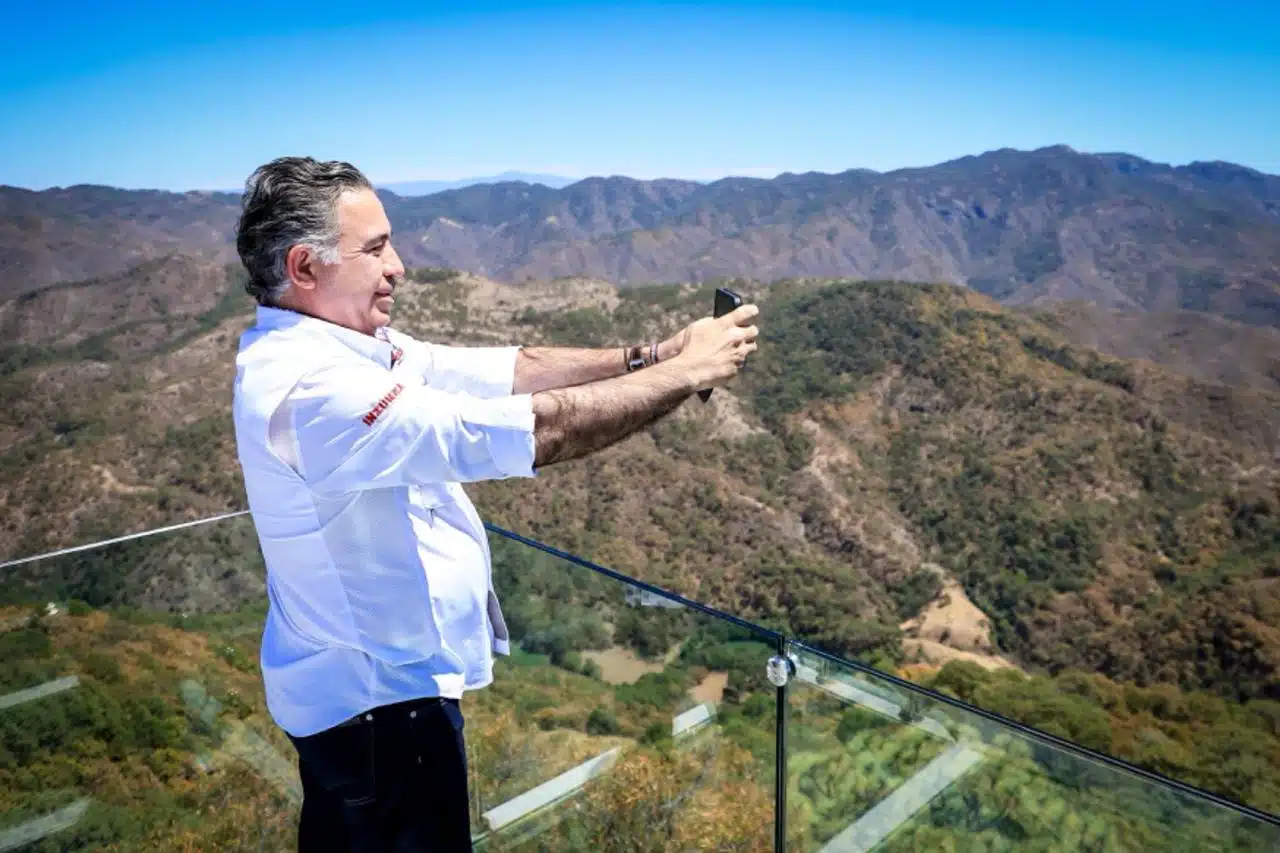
(545, 368)
(572, 422)
(575, 421)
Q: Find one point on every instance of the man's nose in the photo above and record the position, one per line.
(393, 266)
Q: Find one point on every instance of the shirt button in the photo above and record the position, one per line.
(368, 718)
(413, 715)
(419, 759)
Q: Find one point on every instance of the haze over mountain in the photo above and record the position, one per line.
(1200, 345)
(1023, 227)
(412, 188)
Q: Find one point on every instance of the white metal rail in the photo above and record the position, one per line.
(126, 538)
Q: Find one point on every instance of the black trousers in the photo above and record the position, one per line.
(393, 780)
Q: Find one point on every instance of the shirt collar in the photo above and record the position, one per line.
(376, 347)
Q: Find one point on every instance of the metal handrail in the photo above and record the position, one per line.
(62, 552)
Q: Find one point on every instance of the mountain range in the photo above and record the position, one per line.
(1024, 227)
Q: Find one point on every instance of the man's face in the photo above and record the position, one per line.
(356, 292)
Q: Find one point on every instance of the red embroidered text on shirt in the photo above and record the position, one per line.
(381, 405)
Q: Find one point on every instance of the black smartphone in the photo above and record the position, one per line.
(726, 302)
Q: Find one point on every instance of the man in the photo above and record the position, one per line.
(354, 440)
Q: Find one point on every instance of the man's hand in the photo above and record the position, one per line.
(714, 349)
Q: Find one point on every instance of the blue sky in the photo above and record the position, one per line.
(146, 94)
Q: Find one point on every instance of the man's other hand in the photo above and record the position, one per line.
(715, 348)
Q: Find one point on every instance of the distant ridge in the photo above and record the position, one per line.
(414, 188)
(1024, 227)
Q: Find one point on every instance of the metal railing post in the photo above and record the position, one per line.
(781, 668)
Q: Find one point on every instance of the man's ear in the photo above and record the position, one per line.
(300, 266)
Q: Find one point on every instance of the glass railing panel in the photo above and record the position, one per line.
(874, 764)
(141, 728)
(621, 721)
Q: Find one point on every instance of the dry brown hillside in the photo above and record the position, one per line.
(1081, 501)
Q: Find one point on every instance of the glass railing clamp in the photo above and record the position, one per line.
(780, 669)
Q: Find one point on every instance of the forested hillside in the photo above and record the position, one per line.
(888, 438)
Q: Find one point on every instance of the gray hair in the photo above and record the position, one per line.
(287, 202)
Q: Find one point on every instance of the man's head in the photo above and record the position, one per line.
(314, 238)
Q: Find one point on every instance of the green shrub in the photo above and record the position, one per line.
(660, 690)
(102, 667)
(602, 721)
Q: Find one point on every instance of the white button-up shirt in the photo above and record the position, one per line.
(354, 448)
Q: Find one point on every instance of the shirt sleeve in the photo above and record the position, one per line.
(479, 371)
(360, 427)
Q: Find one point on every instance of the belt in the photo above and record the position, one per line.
(410, 707)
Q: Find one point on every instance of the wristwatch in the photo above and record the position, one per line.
(635, 358)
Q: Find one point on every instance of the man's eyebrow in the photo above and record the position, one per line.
(376, 239)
